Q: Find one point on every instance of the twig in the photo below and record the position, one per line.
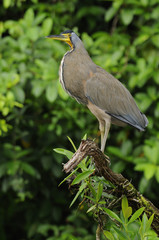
(98, 232)
(123, 186)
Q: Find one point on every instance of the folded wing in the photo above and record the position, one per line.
(110, 95)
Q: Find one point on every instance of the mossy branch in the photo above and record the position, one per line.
(123, 185)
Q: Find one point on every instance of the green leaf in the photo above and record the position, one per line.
(68, 177)
(6, 3)
(127, 16)
(91, 208)
(149, 171)
(148, 152)
(82, 165)
(72, 143)
(99, 191)
(152, 153)
(61, 92)
(29, 169)
(123, 235)
(19, 94)
(39, 18)
(82, 176)
(112, 214)
(102, 202)
(108, 235)
(50, 72)
(47, 26)
(143, 101)
(124, 203)
(29, 17)
(92, 189)
(136, 215)
(144, 2)
(90, 198)
(156, 77)
(110, 13)
(115, 151)
(150, 222)
(82, 187)
(38, 88)
(51, 92)
(65, 152)
(157, 174)
(144, 223)
(13, 167)
(88, 41)
(33, 33)
(126, 148)
(127, 211)
(84, 137)
(141, 39)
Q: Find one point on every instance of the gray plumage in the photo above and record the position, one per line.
(101, 88)
(110, 95)
(104, 95)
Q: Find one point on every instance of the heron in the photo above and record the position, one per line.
(105, 96)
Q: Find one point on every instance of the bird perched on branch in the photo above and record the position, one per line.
(103, 94)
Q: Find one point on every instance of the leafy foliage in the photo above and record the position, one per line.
(36, 114)
(130, 227)
(95, 194)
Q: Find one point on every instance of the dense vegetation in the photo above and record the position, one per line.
(36, 115)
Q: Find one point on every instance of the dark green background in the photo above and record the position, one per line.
(36, 115)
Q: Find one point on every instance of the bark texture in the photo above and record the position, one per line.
(136, 200)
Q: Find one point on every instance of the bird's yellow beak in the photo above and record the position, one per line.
(65, 37)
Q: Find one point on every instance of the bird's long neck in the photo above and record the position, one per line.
(76, 67)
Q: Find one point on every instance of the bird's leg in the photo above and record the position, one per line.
(101, 128)
(104, 138)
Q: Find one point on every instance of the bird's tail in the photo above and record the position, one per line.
(145, 120)
(144, 124)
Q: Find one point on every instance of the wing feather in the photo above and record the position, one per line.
(109, 94)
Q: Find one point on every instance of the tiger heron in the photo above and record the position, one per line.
(103, 94)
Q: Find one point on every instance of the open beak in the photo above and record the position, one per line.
(62, 37)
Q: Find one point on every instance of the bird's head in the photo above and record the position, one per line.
(67, 36)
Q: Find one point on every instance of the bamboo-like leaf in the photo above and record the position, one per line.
(136, 215)
(124, 203)
(92, 190)
(65, 152)
(68, 176)
(99, 191)
(90, 198)
(127, 211)
(144, 223)
(108, 235)
(112, 214)
(72, 143)
(84, 137)
(82, 187)
(102, 202)
(123, 235)
(148, 225)
(82, 176)
(91, 208)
